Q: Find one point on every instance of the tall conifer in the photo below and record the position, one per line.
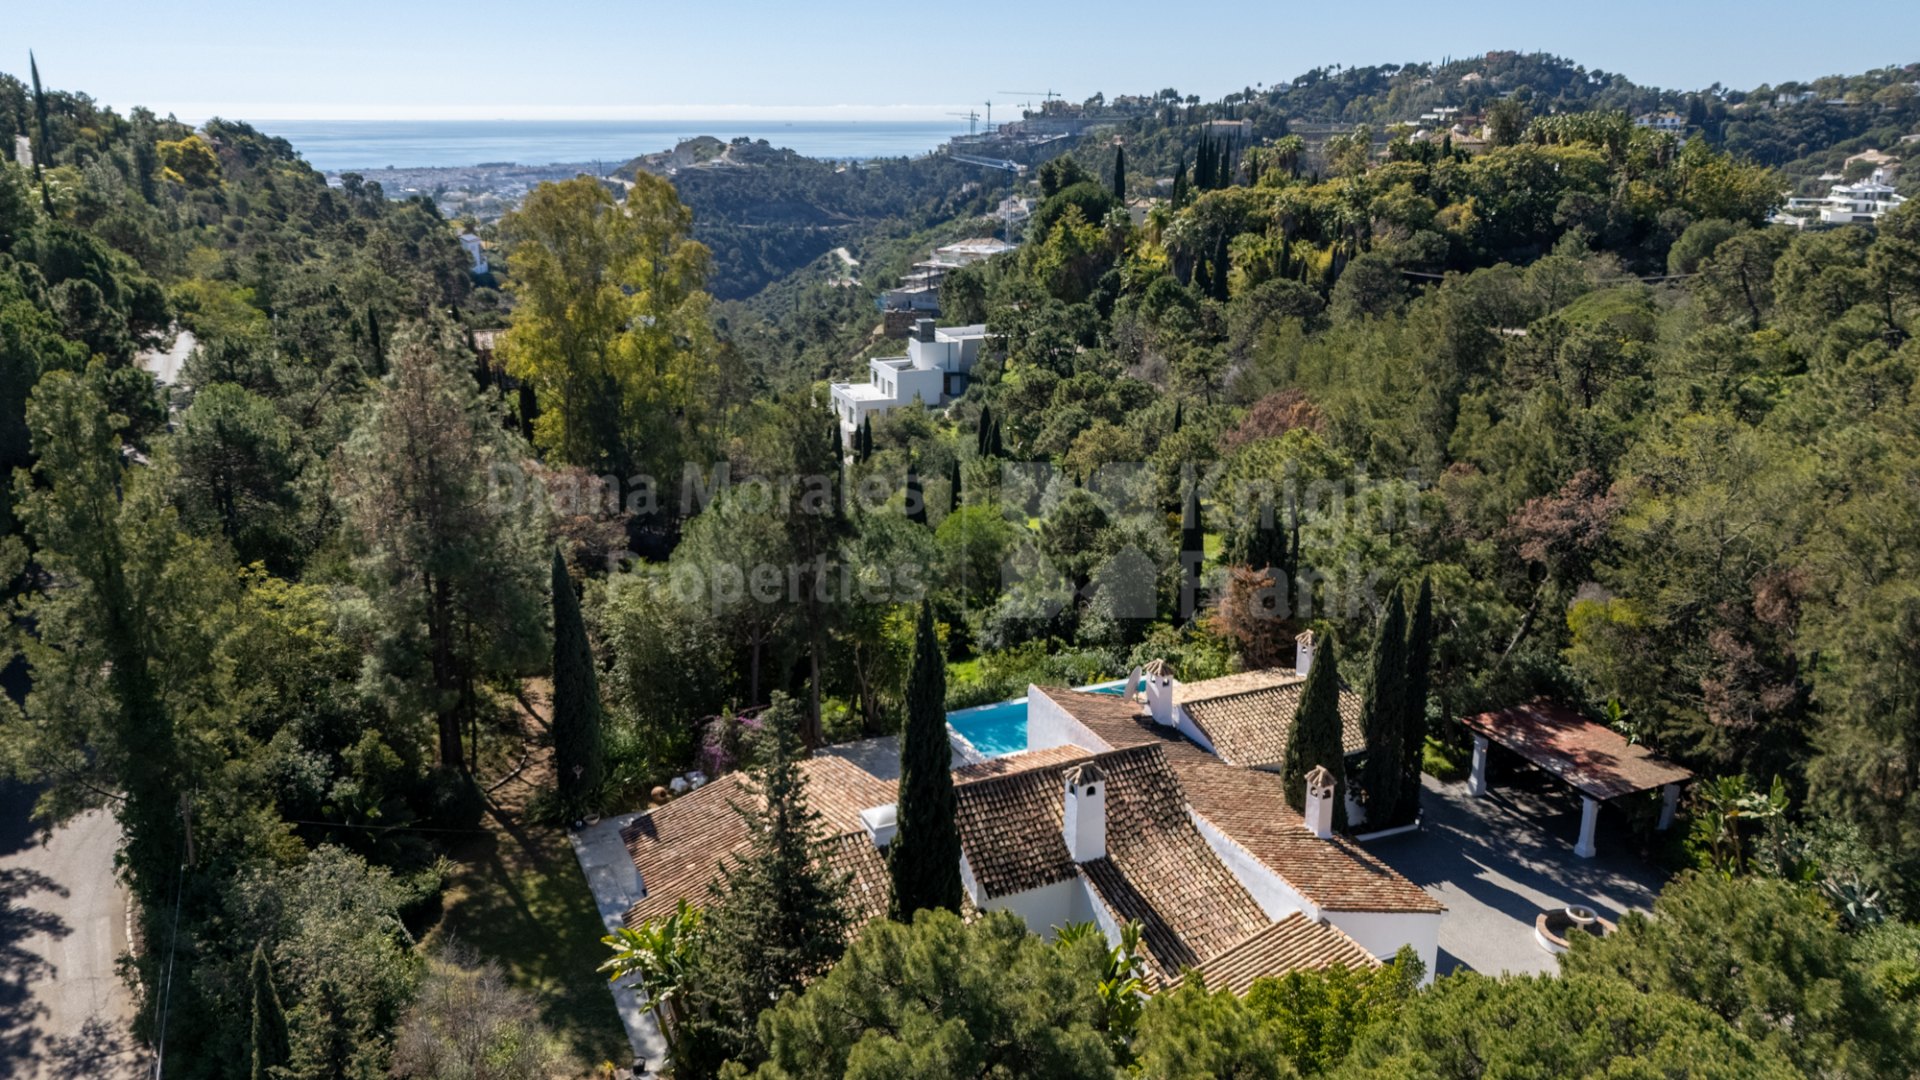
(1383, 718)
(267, 1037)
(1315, 738)
(953, 485)
(1120, 175)
(1192, 554)
(777, 918)
(924, 861)
(916, 499)
(577, 747)
(1419, 685)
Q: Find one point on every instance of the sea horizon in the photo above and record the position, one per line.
(368, 145)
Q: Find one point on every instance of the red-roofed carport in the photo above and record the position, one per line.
(1593, 759)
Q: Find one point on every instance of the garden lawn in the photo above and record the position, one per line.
(518, 898)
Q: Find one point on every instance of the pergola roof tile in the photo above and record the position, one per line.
(1593, 758)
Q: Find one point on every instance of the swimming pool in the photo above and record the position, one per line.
(1001, 728)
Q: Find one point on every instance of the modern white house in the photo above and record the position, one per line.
(1860, 203)
(1671, 122)
(936, 369)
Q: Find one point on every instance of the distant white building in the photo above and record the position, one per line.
(1799, 97)
(475, 251)
(1845, 204)
(1670, 122)
(937, 367)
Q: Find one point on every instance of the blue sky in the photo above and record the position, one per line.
(635, 58)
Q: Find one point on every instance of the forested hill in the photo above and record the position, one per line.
(1802, 128)
(766, 212)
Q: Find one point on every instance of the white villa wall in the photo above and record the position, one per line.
(1048, 906)
(1383, 932)
(1049, 725)
(1275, 896)
(1191, 730)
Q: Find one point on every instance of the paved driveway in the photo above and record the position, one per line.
(63, 918)
(1496, 861)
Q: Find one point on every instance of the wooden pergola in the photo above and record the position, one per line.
(1593, 759)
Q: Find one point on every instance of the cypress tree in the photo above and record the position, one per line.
(1192, 554)
(42, 153)
(1267, 541)
(577, 748)
(1419, 685)
(268, 1037)
(1120, 175)
(1220, 265)
(1179, 413)
(1202, 280)
(839, 444)
(980, 433)
(1180, 182)
(916, 500)
(1383, 718)
(777, 918)
(994, 446)
(866, 437)
(953, 485)
(1315, 736)
(924, 860)
(373, 339)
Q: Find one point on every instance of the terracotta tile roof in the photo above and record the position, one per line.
(1594, 758)
(1159, 869)
(1010, 829)
(1248, 716)
(1249, 807)
(1294, 943)
(678, 848)
(1020, 762)
(869, 888)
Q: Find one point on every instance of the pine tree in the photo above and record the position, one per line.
(777, 918)
(925, 857)
(1315, 738)
(1192, 554)
(1419, 685)
(1383, 716)
(953, 485)
(267, 1039)
(577, 746)
(916, 500)
(1120, 175)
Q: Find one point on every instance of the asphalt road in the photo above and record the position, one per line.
(64, 1011)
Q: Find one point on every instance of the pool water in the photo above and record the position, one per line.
(1001, 728)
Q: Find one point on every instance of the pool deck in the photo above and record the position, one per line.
(879, 757)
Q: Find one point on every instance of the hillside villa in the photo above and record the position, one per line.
(1163, 807)
(937, 367)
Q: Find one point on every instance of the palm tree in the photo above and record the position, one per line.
(663, 955)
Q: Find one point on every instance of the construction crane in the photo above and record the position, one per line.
(971, 117)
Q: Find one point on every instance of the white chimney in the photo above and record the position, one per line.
(881, 822)
(1160, 684)
(1320, 795)
(1083, 817)
(1303, 653)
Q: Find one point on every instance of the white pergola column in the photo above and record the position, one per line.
(1477, 782)
(1669, 802)
(1589, 817)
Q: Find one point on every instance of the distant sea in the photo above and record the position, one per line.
(335, 145)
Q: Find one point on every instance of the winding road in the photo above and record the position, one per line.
(64, 1012)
